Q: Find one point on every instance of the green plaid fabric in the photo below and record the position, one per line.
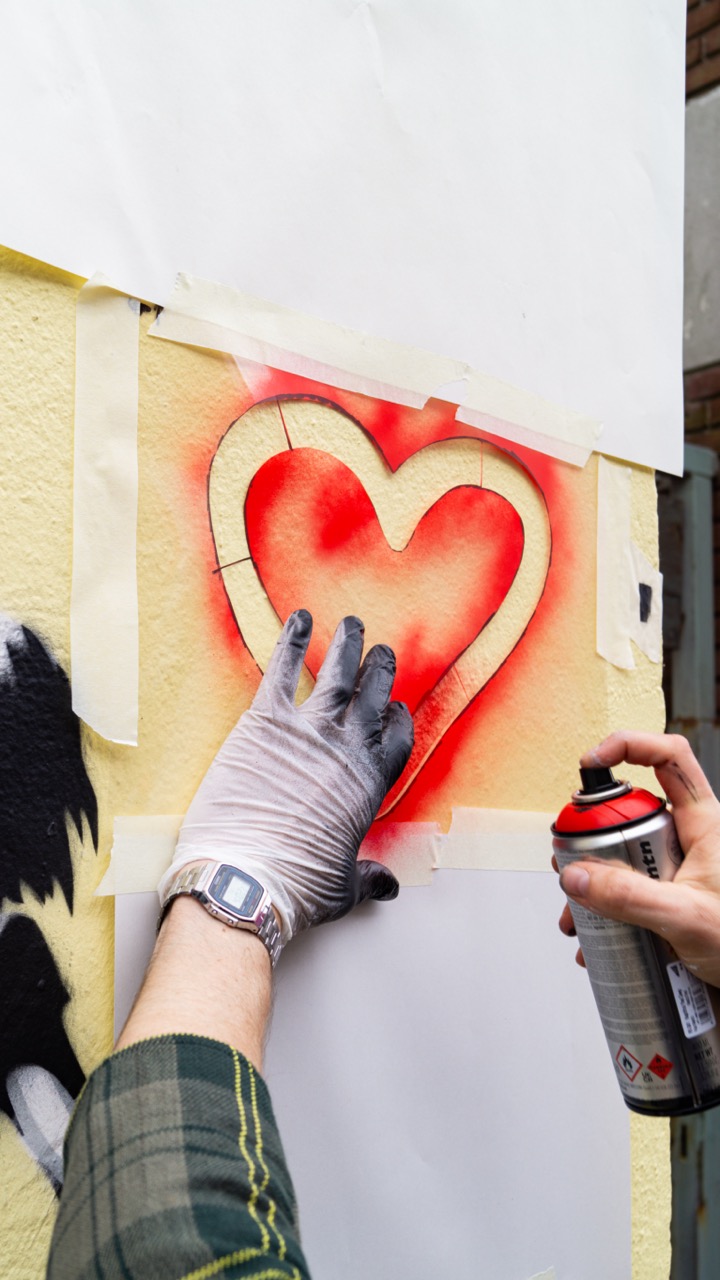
(174, 1168)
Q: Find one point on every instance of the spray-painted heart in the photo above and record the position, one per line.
(445, 559)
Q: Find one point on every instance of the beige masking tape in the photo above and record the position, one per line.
(629, 589)
(143, 849)
(204, 314)
(512, 413)
(481, 839)
(550, 1274)
(564, 450)
(104, 606)
(646, 619)
(212, 315)
(141, 853)
(497, 840)
(409, 849)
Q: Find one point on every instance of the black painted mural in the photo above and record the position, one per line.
(44, 787)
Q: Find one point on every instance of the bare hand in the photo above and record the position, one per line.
(684, 911)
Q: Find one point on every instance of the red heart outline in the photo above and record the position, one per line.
(261, 433)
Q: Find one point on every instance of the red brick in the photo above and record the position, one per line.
(702, 76)
(711, 41)
(712, 412)
(708, 439)
(692, 52)
(703, 16)
(703, 383)
(695, 416)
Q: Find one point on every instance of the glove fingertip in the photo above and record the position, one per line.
(398, 739)
(376, 881)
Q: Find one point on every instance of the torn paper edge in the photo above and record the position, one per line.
(621, 569)
(201, 313)
(104, 604)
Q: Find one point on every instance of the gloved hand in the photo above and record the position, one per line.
(293, 790)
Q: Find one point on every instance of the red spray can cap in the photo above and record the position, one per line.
(603, 803)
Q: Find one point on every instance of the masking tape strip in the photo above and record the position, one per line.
(629, 589)
(143, 849)
(646, 624)
(543, 442)
(204, 314)
(104, 605)
(550, 1274)
(409, 849)
(212, 315)
(497, 840)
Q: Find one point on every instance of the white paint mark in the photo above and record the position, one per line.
(11, 634)
(42, 1110)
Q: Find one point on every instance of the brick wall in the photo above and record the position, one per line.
(703, 46)
(702, 427)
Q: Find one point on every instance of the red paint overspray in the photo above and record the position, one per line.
(314, 537)
(400, 432)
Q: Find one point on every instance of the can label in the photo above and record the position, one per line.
(692, 1000)
(621, 965)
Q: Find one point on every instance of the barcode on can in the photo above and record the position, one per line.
(692, 1000)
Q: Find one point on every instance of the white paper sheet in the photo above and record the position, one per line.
(442, 1085)
(501, 185)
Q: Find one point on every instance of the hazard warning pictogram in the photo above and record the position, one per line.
(627, 1062)
(660, 1066)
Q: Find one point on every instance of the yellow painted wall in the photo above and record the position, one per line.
(196, 676)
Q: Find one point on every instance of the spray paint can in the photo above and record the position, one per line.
(660, 1021)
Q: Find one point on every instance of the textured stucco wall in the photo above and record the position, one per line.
(195, 674)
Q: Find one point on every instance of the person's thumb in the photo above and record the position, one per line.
(623, 894)
(686, 916)
(373, 880)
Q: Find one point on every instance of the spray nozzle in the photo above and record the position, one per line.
(597, 779)
(599, 783)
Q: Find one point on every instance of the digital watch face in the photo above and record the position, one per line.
(236, 891)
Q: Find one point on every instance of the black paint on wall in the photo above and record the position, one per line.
(32, 999)
(43, 781)
(645, 601)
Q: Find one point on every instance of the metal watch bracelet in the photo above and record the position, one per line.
(195, 879)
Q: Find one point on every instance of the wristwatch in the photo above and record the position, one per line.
(231, 896)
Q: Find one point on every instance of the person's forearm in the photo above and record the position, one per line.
(205, 979)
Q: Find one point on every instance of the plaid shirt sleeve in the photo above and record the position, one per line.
(174, 1168)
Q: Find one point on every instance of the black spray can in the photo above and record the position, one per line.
(660, 1020)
